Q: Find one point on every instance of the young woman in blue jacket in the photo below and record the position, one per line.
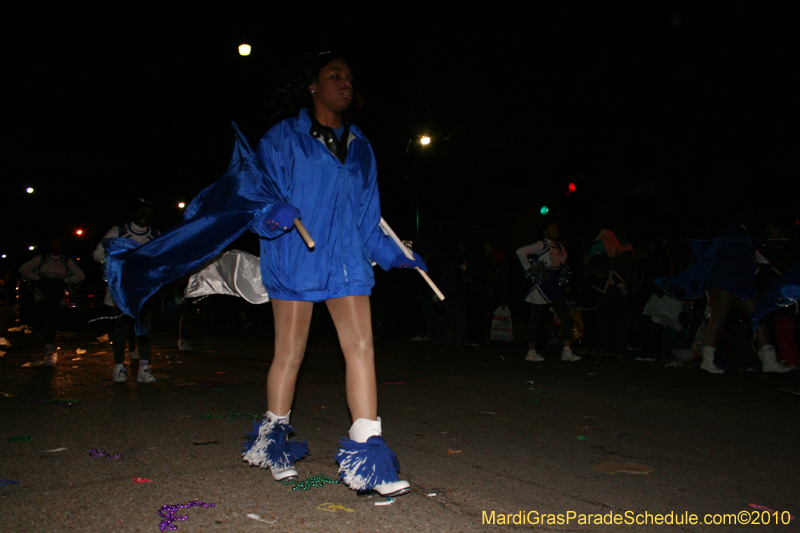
(325, 170)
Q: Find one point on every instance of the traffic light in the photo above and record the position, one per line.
(544, 210)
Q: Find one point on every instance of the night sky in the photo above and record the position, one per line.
(663, 115)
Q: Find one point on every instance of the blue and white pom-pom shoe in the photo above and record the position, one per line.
(269, 446)
(366, 464)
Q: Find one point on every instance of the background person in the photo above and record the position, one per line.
(51, 273)
(545, 291)
(139, 229)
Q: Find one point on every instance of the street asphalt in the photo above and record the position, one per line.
(486, 440)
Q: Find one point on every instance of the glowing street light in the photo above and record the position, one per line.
(181, 205)
(244, 49)
(29, 190)
(79, 232)
(31, 248)
(3, 256)
(424, 140)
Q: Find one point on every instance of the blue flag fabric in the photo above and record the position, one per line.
(214, 219)
(691, 283)
(783, 293)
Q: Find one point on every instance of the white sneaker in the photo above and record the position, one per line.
(145, 375)
(50, 357)
(567, 355)
(361, 430)
(283, 474)
(769, 360)
(534, 356)
(132, 356)
(708, 361)
(120, 374)
(395, 488)
(47, 360)
(184, 345)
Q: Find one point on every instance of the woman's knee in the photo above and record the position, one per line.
(358, 349)
(288, 356)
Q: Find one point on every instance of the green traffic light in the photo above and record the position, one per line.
(544, 210)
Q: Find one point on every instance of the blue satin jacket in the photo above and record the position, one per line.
(339, 206)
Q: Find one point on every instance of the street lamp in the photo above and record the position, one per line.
(244, 49)
(424, 140)
(181, 205)
(29, 190)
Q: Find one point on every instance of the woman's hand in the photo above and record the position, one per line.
(280, 217)
(401, 261)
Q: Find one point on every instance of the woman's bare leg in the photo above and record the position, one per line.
(353, 321)
(747, 306)
(292, 321)
(720, 302)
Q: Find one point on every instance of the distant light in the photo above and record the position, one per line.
(31, 248)
(544, 210)
(571, 187)
(181, 205)
(78, 232)
(3, 256)
(29, 190)
(244, 49)
(424, 140)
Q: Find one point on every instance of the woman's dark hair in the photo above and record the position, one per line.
(545, 223)
(292, 93)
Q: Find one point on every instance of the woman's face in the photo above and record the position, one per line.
(551, 231)
(333, 90)
(143, 215)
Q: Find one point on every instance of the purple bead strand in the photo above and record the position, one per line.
(169, 517)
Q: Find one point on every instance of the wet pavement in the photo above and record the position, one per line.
(477, 432)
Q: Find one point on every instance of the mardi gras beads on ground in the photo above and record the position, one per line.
(333, 507)
(311, 482)
(103, 453)
(230, 416)
(167, 512)
(59, 401)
